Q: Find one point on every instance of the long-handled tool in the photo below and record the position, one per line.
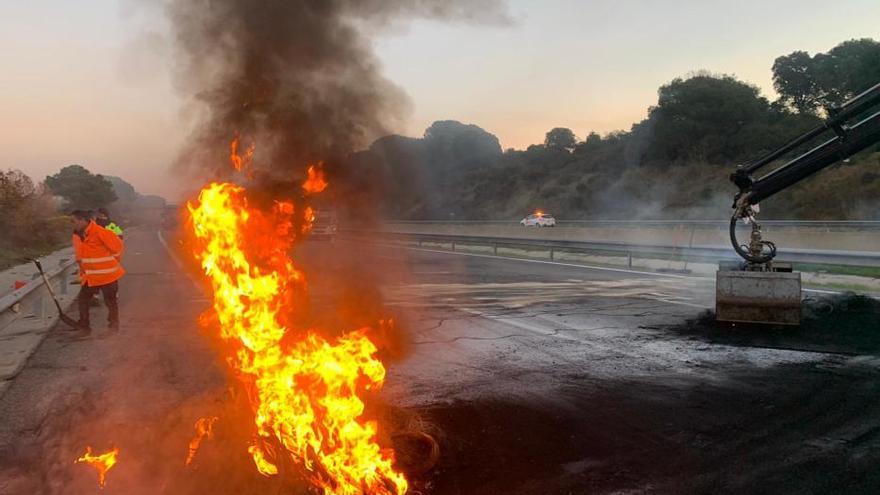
(66, 319)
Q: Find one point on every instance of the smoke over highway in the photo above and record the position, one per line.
(297, 78)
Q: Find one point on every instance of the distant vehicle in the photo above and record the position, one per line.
(325, 224)
(538, 219)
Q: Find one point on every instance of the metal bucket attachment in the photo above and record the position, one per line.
(758, 297)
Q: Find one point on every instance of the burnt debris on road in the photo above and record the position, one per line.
(531, 378)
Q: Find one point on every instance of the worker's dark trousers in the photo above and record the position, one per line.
(109, 291)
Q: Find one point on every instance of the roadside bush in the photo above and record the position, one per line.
(29, 222)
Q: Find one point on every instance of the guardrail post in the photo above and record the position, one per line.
(33, 301)
(453, 245)
(495, 248)
(39, 307)
(62, 283)
(551, 254)
(629, 259)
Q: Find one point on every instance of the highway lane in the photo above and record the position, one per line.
(548, 378)
(551, 378)
(534, 377)
(140, 390)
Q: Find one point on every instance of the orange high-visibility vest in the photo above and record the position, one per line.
(98, 256)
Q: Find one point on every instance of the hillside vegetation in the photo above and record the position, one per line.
(29, 222)
(34, 215)
(672, 164)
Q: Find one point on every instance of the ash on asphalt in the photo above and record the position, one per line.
(784, 430)
(841, 323)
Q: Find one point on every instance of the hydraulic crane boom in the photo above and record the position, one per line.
(852, 132)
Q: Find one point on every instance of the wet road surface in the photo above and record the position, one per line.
(536, 378)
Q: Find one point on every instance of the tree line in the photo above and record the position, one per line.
(673, 163)
(34, 214)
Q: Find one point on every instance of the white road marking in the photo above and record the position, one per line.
(822, 291)
(177, 261)
(592, 267)
(682, 303)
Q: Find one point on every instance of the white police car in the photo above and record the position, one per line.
(538, 219)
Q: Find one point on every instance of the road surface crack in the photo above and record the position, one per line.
(498, 337)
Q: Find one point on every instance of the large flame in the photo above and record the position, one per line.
(303, 387)
(101, 462)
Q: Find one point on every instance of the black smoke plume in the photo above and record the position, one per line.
(297, 78)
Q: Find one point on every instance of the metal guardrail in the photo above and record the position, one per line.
(32, 299)
(689, 253)
(721, 224)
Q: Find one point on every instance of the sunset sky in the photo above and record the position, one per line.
(89, 82)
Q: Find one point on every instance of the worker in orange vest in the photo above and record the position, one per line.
(97, 252)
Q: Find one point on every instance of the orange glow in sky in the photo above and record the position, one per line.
(90, 83)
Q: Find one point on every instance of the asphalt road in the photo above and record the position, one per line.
(535, 378)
